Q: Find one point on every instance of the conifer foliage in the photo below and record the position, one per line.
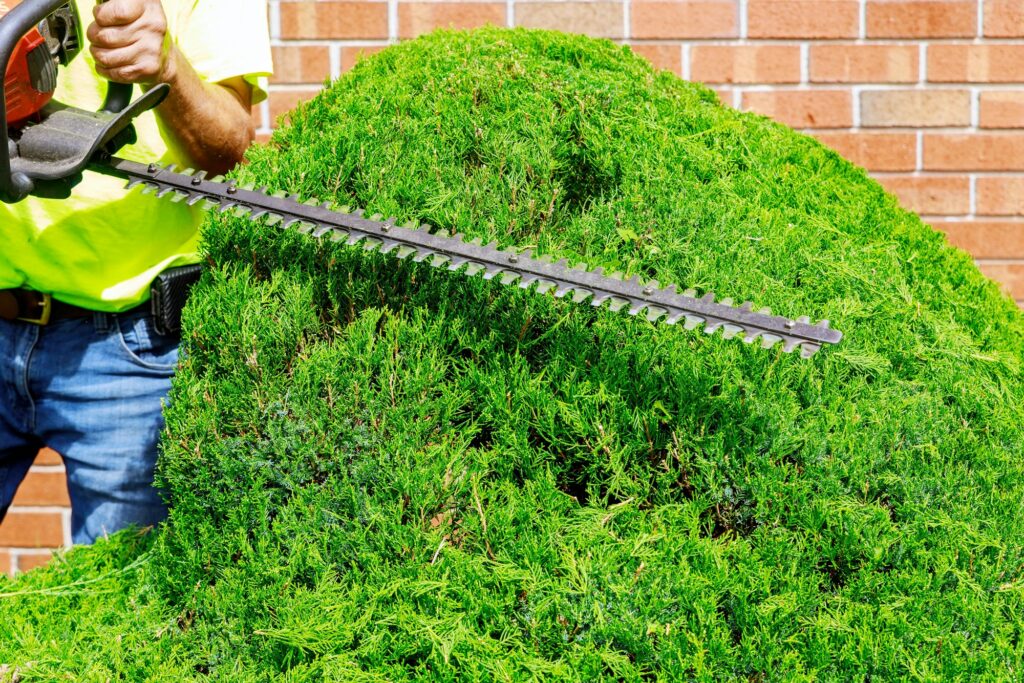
(382, 471)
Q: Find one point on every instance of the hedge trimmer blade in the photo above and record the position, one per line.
(510, 267)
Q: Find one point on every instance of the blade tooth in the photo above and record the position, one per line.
(388, 246)
(545, 286)
(727, 301)
(692, 321)
(274, 218)
(708, 298)
(508, 277)
(423, 254)
(439, 260)
(409, 225)
(248, 187)
(188, 171)
(789, 343)
(674, 317)
(581, 295)
(226, 207)
(358, 212)
(769, 340)
(808, 349)
(405, 252)
(562, 289)
(804, 320)
(178, 197)
(599, 299)
(277, 194)
(477, 241)
(655, 313)
(747, 306)
(670, 290)
(344, 208)
(731, 331)
(217, 179)
(305, 227)
(824, 323)
(171, 168)
(371, 244)
(457, 262)
(289, 221)
(474, 268)
(322, 230)
(635, 307)
(355, 238)
(597, 271)
(312, 201)
(163, 192)
(377, 217)
(337, 235)
(546, 258)
(635, 281)
(764, 311)
(524, 280)
(149, 188)
(712, 326)
(195, 199)
(133, 182)
(491, 270)
(617, 275)
(690, 293)
(256, 214)
(200, 176)
(618, 304)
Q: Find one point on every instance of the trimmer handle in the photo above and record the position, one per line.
(119, 95)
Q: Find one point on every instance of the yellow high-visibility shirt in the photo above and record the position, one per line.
(102, 248)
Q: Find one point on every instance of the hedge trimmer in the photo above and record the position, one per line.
(51, 144)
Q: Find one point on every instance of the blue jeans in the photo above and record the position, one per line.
(93, 390)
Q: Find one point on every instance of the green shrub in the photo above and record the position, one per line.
(379, 471)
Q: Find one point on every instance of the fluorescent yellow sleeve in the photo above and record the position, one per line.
(102, 247)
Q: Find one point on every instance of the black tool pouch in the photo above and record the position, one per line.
(168, 295)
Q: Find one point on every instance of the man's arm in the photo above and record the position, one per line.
(210, 121)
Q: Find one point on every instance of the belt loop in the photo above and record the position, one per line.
(101, 321)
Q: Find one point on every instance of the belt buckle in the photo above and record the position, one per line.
(46, 306)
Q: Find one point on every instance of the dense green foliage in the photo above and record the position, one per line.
(379, 471)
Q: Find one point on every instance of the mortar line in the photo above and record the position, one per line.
(741, 9)
(863, 19)
(392, 21)
(275, 20)
(627, 18)
(510, 13)
(980, 31)
(805, 64)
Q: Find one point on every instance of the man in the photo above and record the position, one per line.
(90, 383)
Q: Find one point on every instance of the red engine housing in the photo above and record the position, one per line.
(23, 100)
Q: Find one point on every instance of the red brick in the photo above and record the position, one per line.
(5, 563)
(864, 63)
(915, 108)
(937, 195)
(1001, 196)
(283, 101)
(1009, 275)
(973, 152)
(351, 55)
(417, 18)
(875, 151)
(1002, 109)
(668, 56)
(594, 18)
(803, 18)
(976, 63)
(27, 561)
(678, 19)
(922, 18)
(22, 529)
(1004, 19)
(804, 108)
(43, 488)
(986, 239)
(334, 20)
(48, 456)
(745, 63)
(301, 63)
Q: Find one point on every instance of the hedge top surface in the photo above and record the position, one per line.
(384, 471)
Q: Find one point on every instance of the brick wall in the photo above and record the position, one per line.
(928, 95)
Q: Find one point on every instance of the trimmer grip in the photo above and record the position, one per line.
(119, 95)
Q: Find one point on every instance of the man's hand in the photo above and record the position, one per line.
(210, 121)
(130, 42)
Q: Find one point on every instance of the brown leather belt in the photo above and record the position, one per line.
(37, 308)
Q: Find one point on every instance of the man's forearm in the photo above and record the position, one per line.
(211, 122)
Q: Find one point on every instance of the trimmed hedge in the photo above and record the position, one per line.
(379, 471)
